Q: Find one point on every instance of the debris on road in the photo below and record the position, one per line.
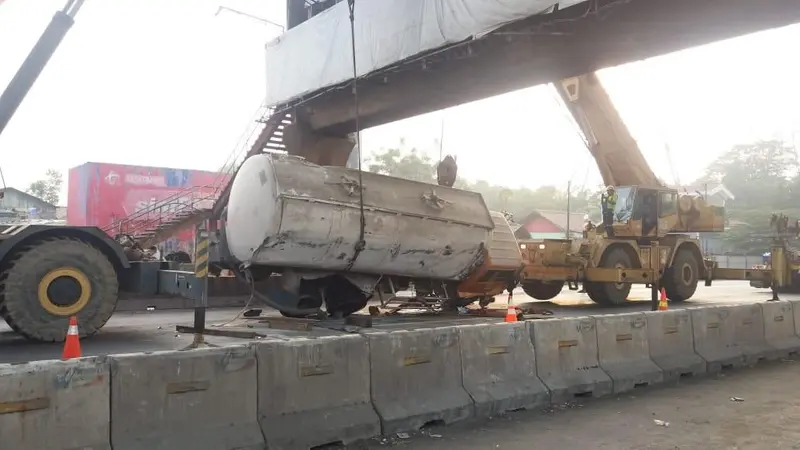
(661, 423)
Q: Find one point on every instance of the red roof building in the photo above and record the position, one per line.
(550, 225)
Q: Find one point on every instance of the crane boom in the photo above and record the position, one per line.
(37, 59)
(618, 156)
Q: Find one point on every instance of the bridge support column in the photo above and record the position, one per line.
(316, 147)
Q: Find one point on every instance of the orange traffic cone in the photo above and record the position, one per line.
(72, 346)
(662, 301)
(511, 315)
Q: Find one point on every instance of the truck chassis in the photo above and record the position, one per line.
(608, 267)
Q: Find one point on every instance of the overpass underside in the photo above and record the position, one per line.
(582, 38)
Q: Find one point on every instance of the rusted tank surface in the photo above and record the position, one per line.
(288, 213)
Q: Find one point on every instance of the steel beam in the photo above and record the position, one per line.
(542, 49)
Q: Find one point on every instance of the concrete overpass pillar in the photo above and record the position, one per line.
(352, 161)
(318, 148)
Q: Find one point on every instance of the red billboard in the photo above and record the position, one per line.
(101, 194)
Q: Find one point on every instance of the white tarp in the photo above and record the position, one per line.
(317, 53)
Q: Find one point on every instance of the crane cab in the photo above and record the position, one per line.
(654, 212)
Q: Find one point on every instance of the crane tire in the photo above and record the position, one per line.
(47, 282)
(542, 290)
(611, 294)
(681, 278)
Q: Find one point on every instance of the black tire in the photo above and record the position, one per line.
(342, 298)
(304, 303)
(681, 278)
(180, 256)
(22, 307)
(542, 290)
(611, 294)
(454, 300)
(485, 301)
(455, 303)
(214, 270)
(309, 299)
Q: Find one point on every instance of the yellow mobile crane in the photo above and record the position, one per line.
(51, 273)
(784, 258)
(651, 242)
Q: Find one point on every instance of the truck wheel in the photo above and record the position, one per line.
(680, 279)
(485, 301)
(54, 279)
(609, 294)
(180, 257)
(342, 297)
(304, 303)
(453, 299)
(542, 290)
(310, 298)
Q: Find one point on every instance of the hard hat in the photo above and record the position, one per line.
(586, 218)
(610, 188)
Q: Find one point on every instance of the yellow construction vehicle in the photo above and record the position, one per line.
(784, 258)
(651, 226)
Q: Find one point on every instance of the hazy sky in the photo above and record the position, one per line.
(168, 83)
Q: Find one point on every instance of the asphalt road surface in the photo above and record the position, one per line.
(146, 331)
(753, 409)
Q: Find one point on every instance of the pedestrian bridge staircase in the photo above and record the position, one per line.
(185, 209)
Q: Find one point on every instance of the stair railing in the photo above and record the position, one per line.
(151, 216)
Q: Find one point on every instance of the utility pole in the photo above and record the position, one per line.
(700, 235)
(569, 196)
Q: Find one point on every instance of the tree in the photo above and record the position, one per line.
(49, 188)
(763, 178)
(759, 173)
(411, 166)
(418, 166)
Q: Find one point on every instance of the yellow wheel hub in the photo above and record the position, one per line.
(64, 291)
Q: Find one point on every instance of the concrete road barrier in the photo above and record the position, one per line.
(779, 328)
(669, 334)
(196, 399)
(416, 378)
(55, 405)
(624, 352)
(313, 392)
(714, 333)
(499, 368)
(566, 358)
(750, 338)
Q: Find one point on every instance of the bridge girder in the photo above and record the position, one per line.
(539, 50)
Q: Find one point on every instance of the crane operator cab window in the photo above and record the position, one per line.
(669, 204)
(645, 211)
(648, 211)
(623, 211)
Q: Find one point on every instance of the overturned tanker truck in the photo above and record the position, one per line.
(310, 237)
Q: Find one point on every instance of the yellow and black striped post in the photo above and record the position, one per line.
(201, 255)
(201, 244)
(201, 276)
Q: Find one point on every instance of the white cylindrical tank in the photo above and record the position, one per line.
(285, 212)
